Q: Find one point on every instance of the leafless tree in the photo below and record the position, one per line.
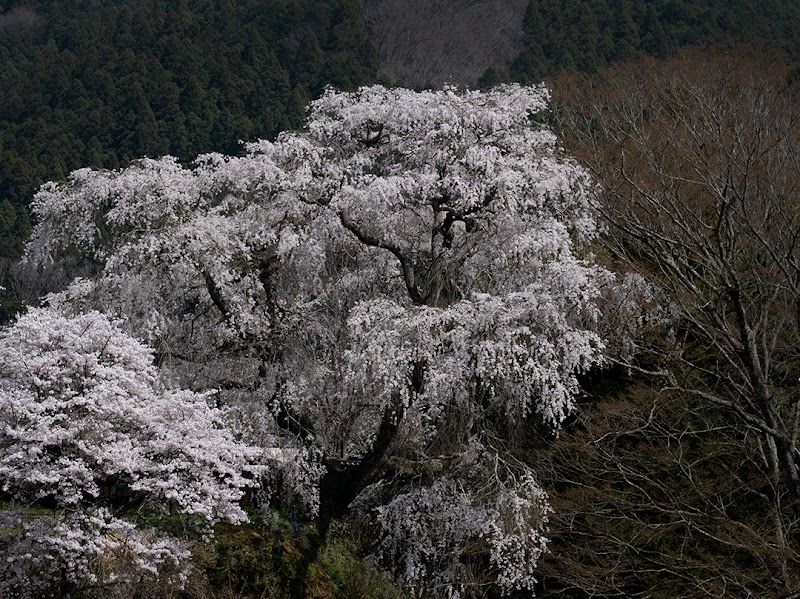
(658, 495)
(699, 163)
(18, 20)
(432, 42)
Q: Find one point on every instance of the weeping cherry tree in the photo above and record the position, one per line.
(385, 301)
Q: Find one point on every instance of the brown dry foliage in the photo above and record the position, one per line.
(690, 486)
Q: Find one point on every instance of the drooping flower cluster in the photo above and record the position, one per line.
(435, 535)
(82, 407)
(44, 555)
(86, 420)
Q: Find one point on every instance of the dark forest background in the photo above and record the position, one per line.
(99, 83)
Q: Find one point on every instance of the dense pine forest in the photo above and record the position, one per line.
(344, 302)
(585, 35)
(102, 83)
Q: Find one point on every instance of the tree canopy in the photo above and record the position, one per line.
(398, 289)
(404, 300)
(86, 422)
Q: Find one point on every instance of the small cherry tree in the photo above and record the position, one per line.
(389, 297)
(83, 411)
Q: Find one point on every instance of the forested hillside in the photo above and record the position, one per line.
(421, 43)
(488, 343)
(583, 35)
(428, 43)
(100, 83)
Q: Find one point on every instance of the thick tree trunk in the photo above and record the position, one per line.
(343, 482)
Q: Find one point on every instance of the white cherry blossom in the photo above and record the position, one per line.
(410, 273)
